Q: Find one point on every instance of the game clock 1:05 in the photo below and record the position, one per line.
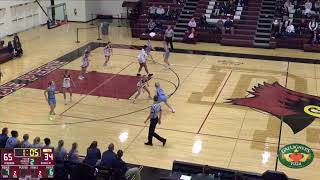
(27, 152)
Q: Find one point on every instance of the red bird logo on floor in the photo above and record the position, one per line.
(298, 110)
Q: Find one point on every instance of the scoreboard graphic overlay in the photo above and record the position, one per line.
(27, 163)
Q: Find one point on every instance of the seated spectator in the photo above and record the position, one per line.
(314, 38)
(284, 25)
(175, 14)
(121, 168)
(290, 31)
(220, 25)
(36, 143)
(298, 13)
(159, 27)
(108, 156)
(13, 141)
(317, 6)
(47, 143)
(152, 11)
(93, 154)
(287, 4)
(192, 24)
(307, 7)
(17, 46)
(151, 26)
(217, 8)
(4, 137)
(226, 8)
(203, 21)
(10, 49)
(313, 25)
(233, 6)
(25, 143)
(191, 36)
(60, 154)
(180, 2)
(228, 26)
(160, 12)
(15, 35)
(278, 9)
(302, 27)
(243, 3)
(285, 13)
(73, 153)
(275, 27)
(168, 14)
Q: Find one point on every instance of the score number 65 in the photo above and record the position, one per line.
(7, 156)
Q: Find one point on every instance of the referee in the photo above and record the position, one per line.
(168, 36)
(155, 118)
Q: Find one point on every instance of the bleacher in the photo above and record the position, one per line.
(245, 26)
(141, 24)
(298, 41)
(209, 34)
(252, 25)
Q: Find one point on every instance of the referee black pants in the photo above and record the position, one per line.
(152, 128)
(169, 41)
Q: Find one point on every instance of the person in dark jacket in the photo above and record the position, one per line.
(17, 46)
(228, 26)
(93, 154)
(121, 169)
(203, 21)
(73, 154)
(108, 156)
(10, 49)
(3, 137)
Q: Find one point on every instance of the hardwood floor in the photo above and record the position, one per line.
(205, 129)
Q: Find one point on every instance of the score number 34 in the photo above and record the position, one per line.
(48, 156)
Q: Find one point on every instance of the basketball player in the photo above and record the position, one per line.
(85, 63)
(149, 49)
(142, 61)
(50, 95)
(66, 86)
(143, 86)
(162, 97)
(107, 53)
(155, 118)
(166, 55)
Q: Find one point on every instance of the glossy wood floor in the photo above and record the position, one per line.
(204, 129)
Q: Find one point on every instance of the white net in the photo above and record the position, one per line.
(57, 15)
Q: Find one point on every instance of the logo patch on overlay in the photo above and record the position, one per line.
(297, 110)
(295, 156)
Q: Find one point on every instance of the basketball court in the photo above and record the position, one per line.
(206, 127)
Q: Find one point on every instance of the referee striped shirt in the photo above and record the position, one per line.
(155, 110)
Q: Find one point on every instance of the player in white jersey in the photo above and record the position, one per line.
(149, 48)
(85, 63)
(107, 53)
(66, 86)
(166, 55)
(143, 86)
(142, 61)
